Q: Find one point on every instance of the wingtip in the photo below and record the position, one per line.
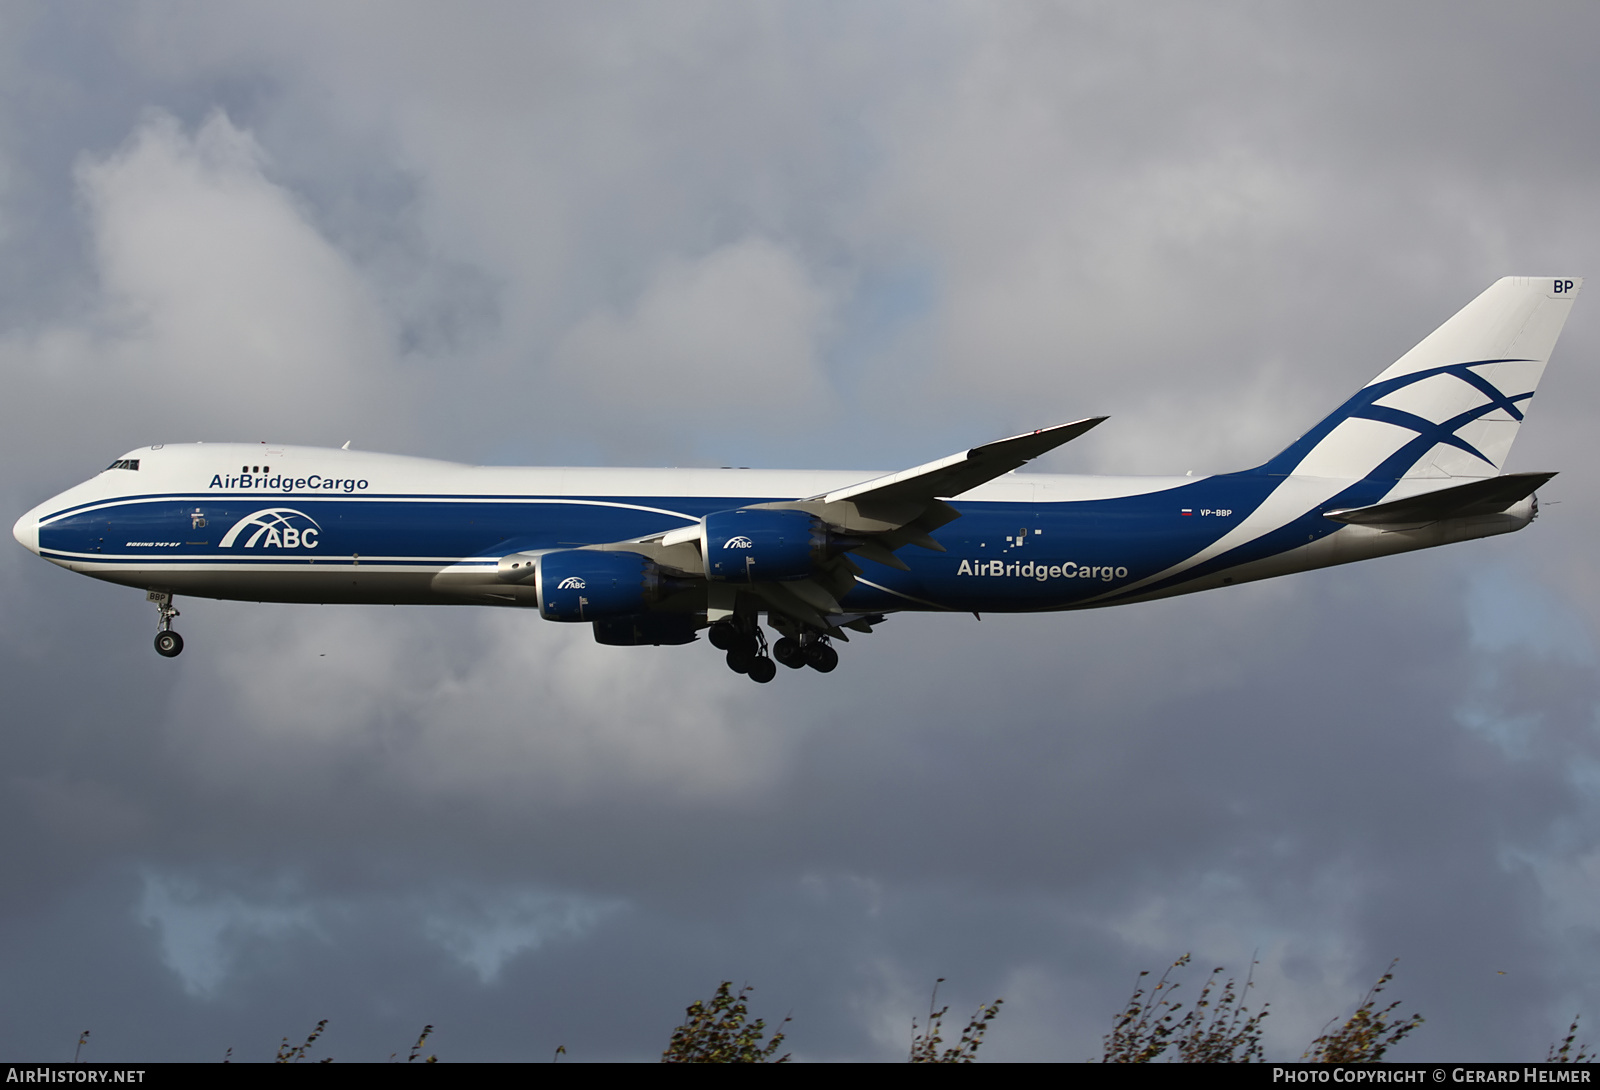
(1083, 425)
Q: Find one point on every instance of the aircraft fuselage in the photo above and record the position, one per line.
(303, 524)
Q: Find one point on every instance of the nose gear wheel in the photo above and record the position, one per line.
(168, 643)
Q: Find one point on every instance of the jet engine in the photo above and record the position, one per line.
(754, 545)
(588, 585)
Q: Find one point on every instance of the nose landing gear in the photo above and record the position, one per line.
(168, 643)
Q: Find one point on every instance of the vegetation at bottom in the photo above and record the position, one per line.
(718, 1033)
(1221, 1028)
(1154, 1024)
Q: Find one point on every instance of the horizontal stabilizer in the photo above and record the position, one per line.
(1489, 496)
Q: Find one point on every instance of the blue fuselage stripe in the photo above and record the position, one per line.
(1000, 556)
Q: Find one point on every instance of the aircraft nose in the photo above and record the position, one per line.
(26, 531)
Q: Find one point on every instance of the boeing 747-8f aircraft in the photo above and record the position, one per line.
(653, 556)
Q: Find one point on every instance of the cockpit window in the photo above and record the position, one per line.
(124, 463)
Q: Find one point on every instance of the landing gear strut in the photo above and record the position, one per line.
(168, 643)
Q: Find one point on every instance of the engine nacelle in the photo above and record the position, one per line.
(588, 585)
(750, 545)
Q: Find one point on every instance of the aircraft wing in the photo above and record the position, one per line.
(962, 472)
(904, 508)
(872, 519)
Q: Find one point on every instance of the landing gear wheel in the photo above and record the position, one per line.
(169, 644)
(740, 658)
(762, 670)
(821, 657)
(789, 653)
(723, 636)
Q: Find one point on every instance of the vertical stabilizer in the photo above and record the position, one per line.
(1452, 405)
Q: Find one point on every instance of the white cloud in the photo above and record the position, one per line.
(220, 310)
(729, 340)
(204, 926)
(487, 930)
(201, 930)
(218, 288)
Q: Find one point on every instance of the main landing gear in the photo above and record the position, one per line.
(169, 644)
(746, 648)
(810, 650)
(747, 651)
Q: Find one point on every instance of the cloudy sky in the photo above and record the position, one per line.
(821, 235)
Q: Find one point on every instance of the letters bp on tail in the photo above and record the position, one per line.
(655, 556)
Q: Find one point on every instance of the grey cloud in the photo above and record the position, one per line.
(946, 222)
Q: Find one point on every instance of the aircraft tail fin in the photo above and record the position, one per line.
(1452, 405)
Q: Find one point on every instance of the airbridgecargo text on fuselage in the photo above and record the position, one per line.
(1043, 572)
(278, 482)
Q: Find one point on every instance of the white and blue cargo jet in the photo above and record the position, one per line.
(654, 556)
